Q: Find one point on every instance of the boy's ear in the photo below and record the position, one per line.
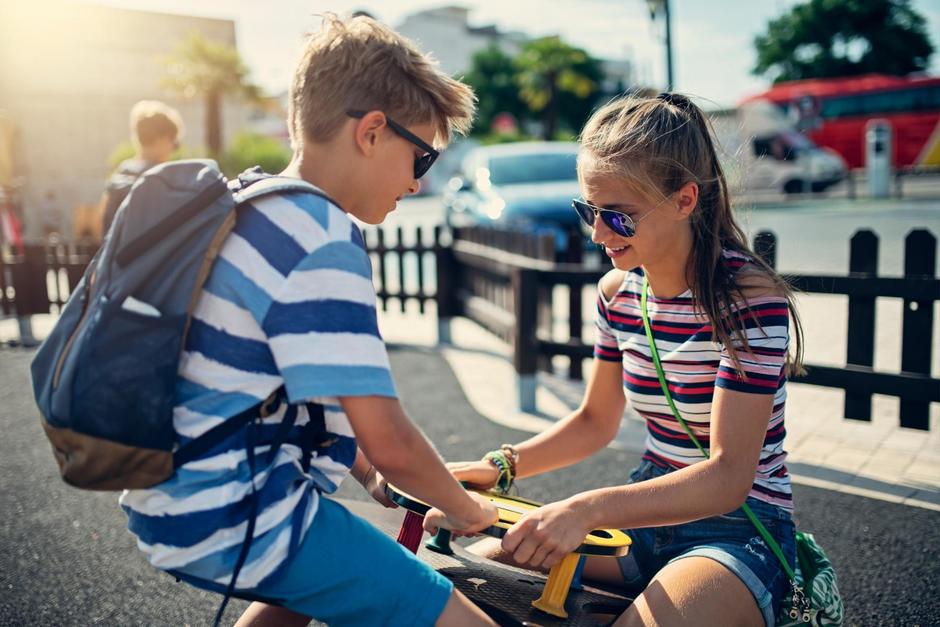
(368, 130)
(687, 198)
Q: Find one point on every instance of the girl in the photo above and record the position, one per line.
(656, 199)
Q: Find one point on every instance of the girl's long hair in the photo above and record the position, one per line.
(658, 145)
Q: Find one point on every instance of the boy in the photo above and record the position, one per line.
(156, 129)
(290, 302)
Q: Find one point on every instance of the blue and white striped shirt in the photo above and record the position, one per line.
(289, 302)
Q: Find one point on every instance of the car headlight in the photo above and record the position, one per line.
(493, 208)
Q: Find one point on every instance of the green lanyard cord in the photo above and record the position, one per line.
(675, 412)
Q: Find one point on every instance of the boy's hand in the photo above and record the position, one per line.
(374, 483)
(479, 474)
(543, 537)
(480, 517)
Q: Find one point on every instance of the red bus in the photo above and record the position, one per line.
(834, 113)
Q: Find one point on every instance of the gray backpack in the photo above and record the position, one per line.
(104, 379)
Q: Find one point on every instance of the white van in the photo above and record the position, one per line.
(761, 150)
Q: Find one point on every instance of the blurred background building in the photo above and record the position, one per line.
(69, 77)
(70, 70)
(447, 33)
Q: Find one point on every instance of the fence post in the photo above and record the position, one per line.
(29, 285)
(383, 274)
(447, 273)
(860, 348)
(29, 281)
(400, 253)
(575, 254)
(6, 303)
(920, 258)
(524, 342)
(765, 245)
(420, 251)
(545, 251)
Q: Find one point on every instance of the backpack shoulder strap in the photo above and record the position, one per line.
(253, 186)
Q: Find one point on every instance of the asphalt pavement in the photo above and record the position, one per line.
(66, 558)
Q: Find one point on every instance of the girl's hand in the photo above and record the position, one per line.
(543, 537)
(466, 524)
(374, 483)
(479, 474)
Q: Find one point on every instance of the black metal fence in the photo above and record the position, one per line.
(531, 283)
(38, 278)
(506, 281)
(393, 278)
(918, 289)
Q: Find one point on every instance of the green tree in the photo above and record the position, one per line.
(552, 76)
(212, 70)
(250, 149)
(827, 38)
(492, 75)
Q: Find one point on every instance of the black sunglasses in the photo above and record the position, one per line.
(422, 163)
(619, 223)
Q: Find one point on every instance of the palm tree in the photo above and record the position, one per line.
(548, 68)
(200, 67)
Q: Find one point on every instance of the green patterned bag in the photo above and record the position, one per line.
(815, 578)
(815, 597)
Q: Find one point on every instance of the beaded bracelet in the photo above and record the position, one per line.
(501, 462)
(512, 455)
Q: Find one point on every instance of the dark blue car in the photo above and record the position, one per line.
(527, 185)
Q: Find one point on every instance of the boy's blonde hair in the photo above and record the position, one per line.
(152, 119)
(361, 64)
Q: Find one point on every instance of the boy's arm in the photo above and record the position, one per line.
(371, 479)
(396, 447)
(361, 467)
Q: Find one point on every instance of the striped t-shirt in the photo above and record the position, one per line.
(694, 364)
(289, 302)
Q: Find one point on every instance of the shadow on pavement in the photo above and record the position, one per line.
(66, 558)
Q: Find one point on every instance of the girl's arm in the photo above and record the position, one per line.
(585, 431)
(714, 486)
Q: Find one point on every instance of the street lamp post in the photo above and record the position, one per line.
(655, 6)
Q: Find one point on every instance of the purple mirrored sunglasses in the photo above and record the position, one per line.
(619, 223)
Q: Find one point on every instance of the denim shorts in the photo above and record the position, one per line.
(730, 539)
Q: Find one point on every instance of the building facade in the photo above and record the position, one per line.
(69, 77)
(446, 33)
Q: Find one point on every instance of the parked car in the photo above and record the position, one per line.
(527, 185)
(761, 150)
(447, 166)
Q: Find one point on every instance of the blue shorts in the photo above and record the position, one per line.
(730, 539)
(348, 573)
